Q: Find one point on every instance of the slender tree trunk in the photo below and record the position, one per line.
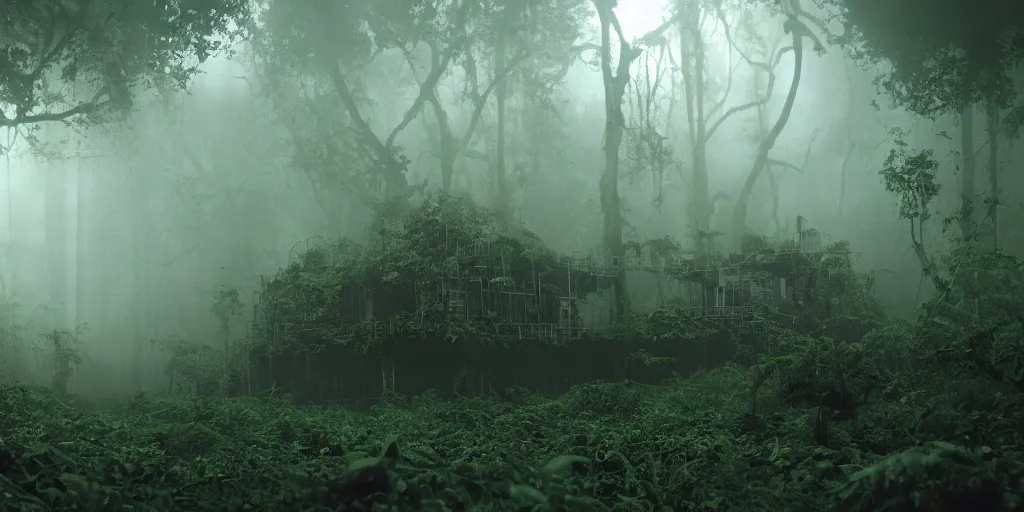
(700, 182)
(503, 198)
(614, 89)
(391, 169)
(843, 171)
(700, 199)
(56, 240)
(969, 170)
(532, 115)
(739, 220)
(446, 150)
(139, 283)
(992, 120)
(80, 244)
(851, 145)
(762, 133)
(9, 280)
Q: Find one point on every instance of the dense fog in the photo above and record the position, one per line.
(129, 229)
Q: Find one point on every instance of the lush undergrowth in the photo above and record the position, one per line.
(687, 445)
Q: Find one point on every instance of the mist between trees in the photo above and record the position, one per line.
(695, 255)
(190, 193)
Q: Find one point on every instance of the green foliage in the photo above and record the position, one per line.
(226, 304)
(846, 296)
(111, 48)
(194, 369)
(669, 322)
(911, 177)
(938, 476)
(424, 243)
(303, 36)
(12, 338)
(691, 444)
(677, 452)
(991, 277)
(315, 52)
(815, 372)
(62, 346)
(329, 278)
(968, 346)
(942, 54)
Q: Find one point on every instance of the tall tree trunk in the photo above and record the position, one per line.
(56, 240)
(614, 89)
(739, 219)
(139, 283)
(969, 170)
(80, 254)
(762, 133)
(532, 115)
(447, 150)
(700, 158)
(691, 49)
(503, 198)
(851, 145)
(8, 273)
(992, 120)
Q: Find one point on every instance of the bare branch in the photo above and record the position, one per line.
(580, 48)
(477, 155)
(799, 12)
(96, 104)
(349, 101)
(807, 156)
(437, 70)
(728, 87)
(382, 149)
(655, 37)
(438, 67)
(784, 164)
(481, 99)
(768, 68)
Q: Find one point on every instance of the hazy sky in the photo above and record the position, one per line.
(640, 16)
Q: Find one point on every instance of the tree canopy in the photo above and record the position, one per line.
(85, 60)
(943, 54)
(325, 52)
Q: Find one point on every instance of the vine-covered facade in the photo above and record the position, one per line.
(445, 297)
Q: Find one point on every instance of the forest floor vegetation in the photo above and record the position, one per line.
(922, 443)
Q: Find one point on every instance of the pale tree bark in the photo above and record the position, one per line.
(992, 122)
(81, 194)
(447, 147)
(739, 220)
(851, 146)
(969, 169)
(531, 114)
(503, 199)
(55, 209)
(389, 165)
(774, 164)
(615, 83)
(8, 273)
(700, 202)
(704, 116)
(140, 282)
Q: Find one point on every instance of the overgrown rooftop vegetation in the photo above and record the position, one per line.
(406, 251)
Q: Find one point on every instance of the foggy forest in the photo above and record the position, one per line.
(511, 255)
